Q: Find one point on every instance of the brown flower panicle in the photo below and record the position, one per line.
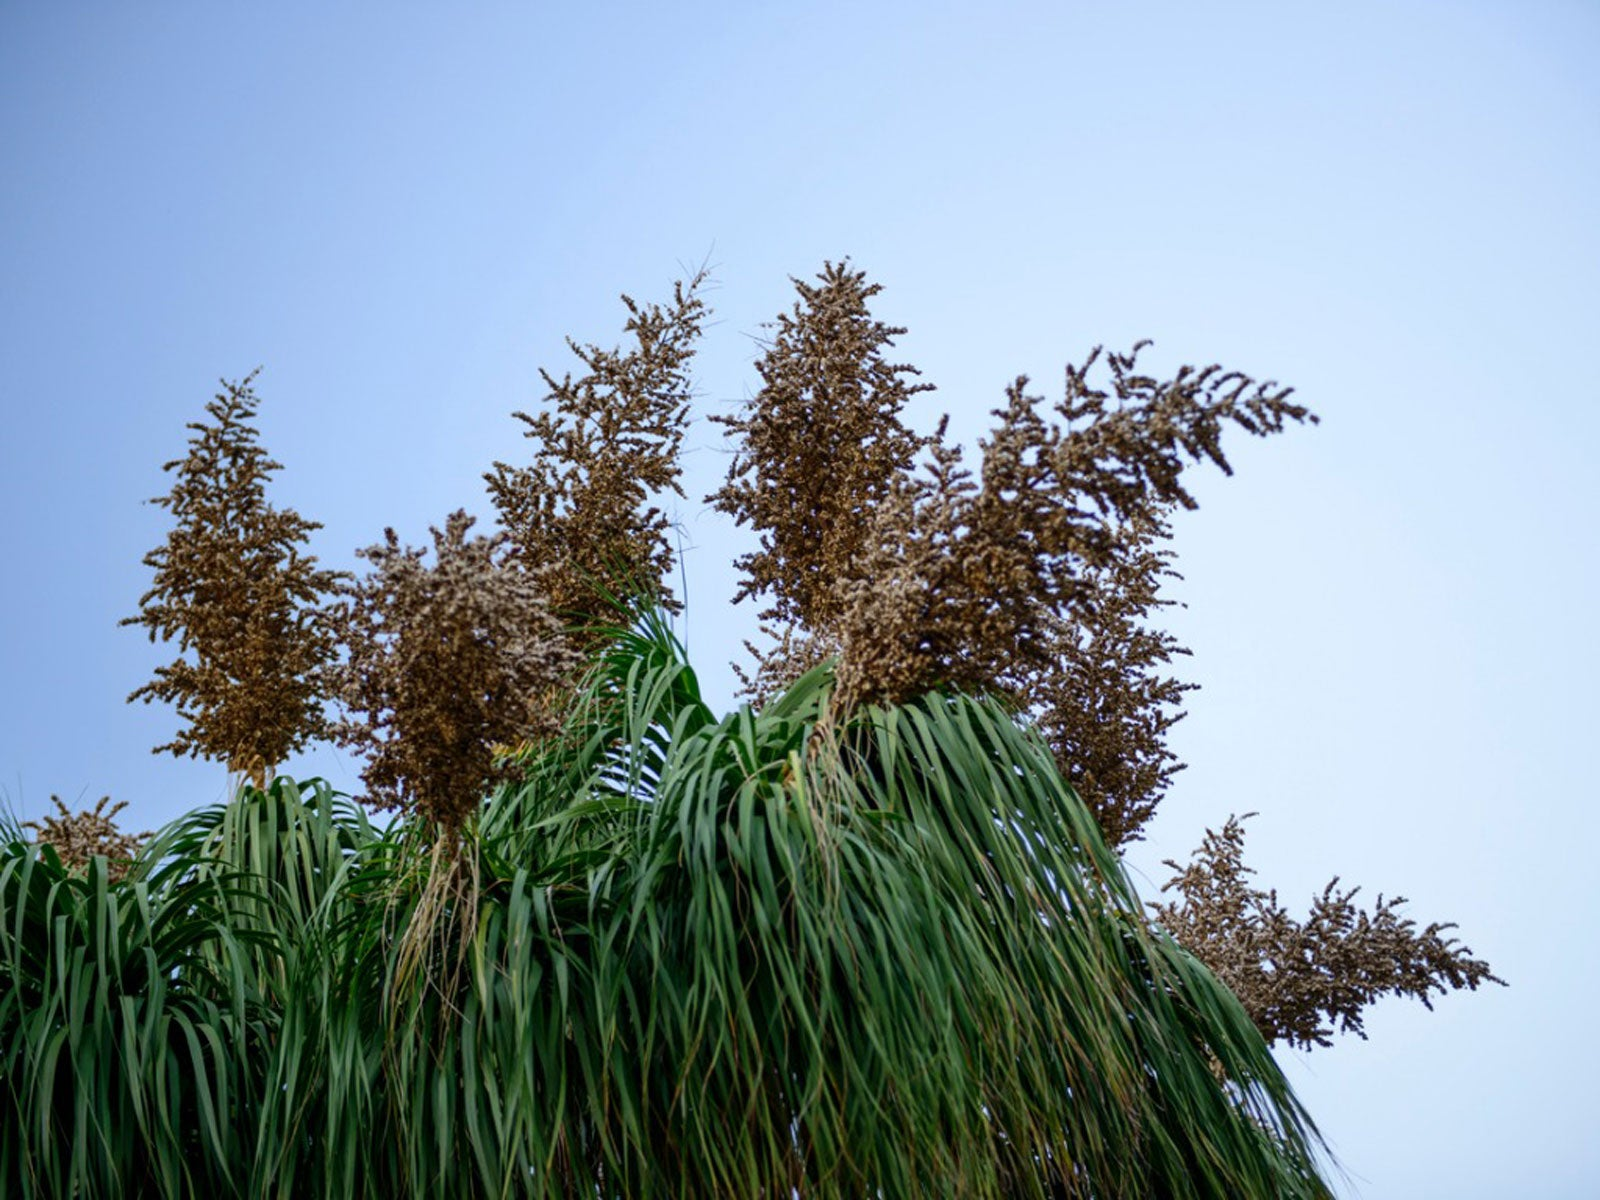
(234, 587)
(1300, 979)
(969, 583)
(579, 516)
(77, 837)
(446, 663)
(1106, 706)
(818, 449)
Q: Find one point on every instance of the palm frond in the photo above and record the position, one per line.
(131, 1036)
(773, 954)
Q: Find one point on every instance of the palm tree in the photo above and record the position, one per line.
(778, 953)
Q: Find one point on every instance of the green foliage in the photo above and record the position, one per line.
(781, 952)
(131, 1034)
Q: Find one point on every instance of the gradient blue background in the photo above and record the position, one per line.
(400, 212)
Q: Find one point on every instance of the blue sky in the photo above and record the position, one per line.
(399, 212)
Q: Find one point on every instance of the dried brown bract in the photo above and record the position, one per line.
(819, 448)
(79, 836)
(445, 662)
(1299, 980)
(579, 516)
(234, 587)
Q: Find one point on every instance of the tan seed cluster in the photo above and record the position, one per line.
(233, 585)
(580, 515)
(79, 836)
(1300, 979)
(818, 448)
(1105, 706)
(446, 662)
(974, 579)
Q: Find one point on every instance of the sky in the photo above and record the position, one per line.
(399, 212)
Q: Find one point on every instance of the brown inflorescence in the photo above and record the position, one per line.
(819, 448)
(1106, 706)
(446, 663)
(1299, 980)
(234, 587)
(968, 582)
(77, 837)
(580, 515)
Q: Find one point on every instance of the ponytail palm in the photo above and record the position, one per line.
(783, 952)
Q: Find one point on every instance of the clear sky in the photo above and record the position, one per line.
(399, 212)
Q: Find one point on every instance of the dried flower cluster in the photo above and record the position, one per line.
(968, 583)
(579, 516)
(819, 447)
(445, 663)
(1106, 706)
(1298, 980)
(233, 585)
(1035, 579)
(79, 836)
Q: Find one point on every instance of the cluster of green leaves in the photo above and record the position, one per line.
(139, 1011)
(781, 952)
